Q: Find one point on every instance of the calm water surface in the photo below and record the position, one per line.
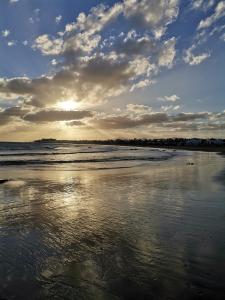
(114, 223)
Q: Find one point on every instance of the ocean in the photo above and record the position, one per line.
(110, 222)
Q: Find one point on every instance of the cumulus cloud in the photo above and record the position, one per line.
(92, 69)
(91, 63)
(88, 72)
(218, 14)
(155, 14)
(48, 45)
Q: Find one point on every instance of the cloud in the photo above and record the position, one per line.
(138, 108)
(31, 20)
(11, 114)
(155, 15)
(48, 45)
(209, 126)
(218, 14)
(223, 37)
(136, 116)
(11, 43)
(191, 116)
(54, 62)
(133, 44)
(170, 107)
(58, 19)
(142, 84)
(192, 59)
(216, 29)
(99, 17)
(127, 121)
(25, 43)
(5, 33)
(145, 119)
(171, 98)
(154, 119)
(93, 62)
(83, 36)
(95, 79)
(167, 53)
(75, 123)
(202, 4)
(37, 11)
(91, 70)
(44, 116)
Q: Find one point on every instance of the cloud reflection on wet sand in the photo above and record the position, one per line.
(153, 231)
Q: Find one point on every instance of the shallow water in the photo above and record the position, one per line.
(150, 228)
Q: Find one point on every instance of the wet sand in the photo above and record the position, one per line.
(151, 231)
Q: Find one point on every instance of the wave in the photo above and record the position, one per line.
(55, 153)
(78, 161)
(24, 146)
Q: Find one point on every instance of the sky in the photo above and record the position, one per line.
(112, 69)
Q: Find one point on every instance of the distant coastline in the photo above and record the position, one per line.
(192, 144)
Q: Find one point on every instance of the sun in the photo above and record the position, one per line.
(67, 105)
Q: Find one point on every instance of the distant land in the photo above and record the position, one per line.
(195, 144)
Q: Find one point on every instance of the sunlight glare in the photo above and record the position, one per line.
(68, 105)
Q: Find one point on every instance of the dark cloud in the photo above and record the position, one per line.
(158, 118)
(9, 114)
(125, 121)
(56, 116)
(92, 70)
(154, 14)
(191, 116)
(90, 73)
(132, 46)
(76, 123)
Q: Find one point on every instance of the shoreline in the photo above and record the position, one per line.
(220, 150)
(131, 143)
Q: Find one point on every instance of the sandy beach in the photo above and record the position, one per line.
(132, 229)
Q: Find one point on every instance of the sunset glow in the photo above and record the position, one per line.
(68, 105)
(132, 68)
(112, 149)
